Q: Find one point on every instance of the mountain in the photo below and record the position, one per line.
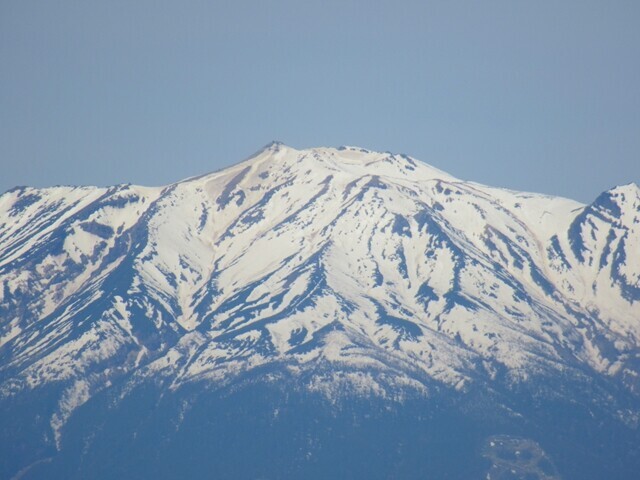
(318, 313)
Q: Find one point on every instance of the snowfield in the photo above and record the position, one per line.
(376, 271)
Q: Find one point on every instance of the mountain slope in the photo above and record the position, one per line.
(351, 273)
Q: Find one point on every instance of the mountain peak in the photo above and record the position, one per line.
(351, 161)
(273, 145)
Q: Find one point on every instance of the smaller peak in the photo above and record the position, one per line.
(623, 187)
(630, 188)
(627, 187)
(615, 199)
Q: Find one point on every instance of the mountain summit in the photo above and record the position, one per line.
(337, 277)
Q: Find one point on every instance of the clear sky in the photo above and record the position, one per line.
(538, 95)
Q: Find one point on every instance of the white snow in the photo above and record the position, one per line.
(299, 257)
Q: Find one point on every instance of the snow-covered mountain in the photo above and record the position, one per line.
(340, 274)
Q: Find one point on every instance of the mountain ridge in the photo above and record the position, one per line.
(356, 272)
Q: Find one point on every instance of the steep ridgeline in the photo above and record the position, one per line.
(337, 274)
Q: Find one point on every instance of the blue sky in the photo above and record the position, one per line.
(540, 96)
